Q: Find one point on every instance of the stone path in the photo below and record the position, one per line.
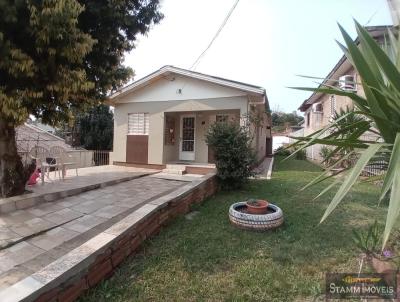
(43, 233)
(86, 176)
(264, 170)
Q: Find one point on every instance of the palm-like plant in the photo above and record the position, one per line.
(380, 109)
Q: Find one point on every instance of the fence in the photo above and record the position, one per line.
(375, 168)
(81, 158)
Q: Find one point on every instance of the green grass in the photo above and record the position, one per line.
(207, 259)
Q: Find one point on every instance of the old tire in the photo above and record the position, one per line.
(255, 222)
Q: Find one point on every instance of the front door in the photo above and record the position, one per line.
(187, 145)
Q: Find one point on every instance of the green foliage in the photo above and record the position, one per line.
(115, 24)
(234, 157)
(301, 155)
(42, 67)
(59, 56)
(380, 108)
(219, 262)
(326, 155)
(94, 128)
(282, 151)
(341, 120)
(368, 241)
(285, 151)
(281, 120)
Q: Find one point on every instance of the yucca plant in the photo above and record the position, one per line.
(380, 108)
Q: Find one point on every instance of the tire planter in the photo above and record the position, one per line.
(256, 222)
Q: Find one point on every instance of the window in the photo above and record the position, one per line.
(333, 105)
(138, 123)
(318, 107)
(308, 119)
(221, 118)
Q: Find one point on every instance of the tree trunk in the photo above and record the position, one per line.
(13, 175)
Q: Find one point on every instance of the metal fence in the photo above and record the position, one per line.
(100, 157)
(375, 168)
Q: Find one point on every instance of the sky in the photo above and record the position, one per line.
(265, 42)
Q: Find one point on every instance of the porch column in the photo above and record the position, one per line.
(156, 138)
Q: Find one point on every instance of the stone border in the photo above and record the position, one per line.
(11, 204)
(68, 277)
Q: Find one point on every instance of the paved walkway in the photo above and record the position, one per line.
(86, 176)
(43, 233)
(264, 170)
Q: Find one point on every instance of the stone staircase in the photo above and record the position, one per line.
(175, 169)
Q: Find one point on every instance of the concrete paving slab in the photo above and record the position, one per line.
(52, 238)
(63, 216)
(49, 231)
(32, 226)
(44, 209)
(13, 276)
(23, 251)
(84, 223)
(109, 211)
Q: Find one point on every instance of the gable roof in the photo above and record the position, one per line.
(343, 65)
(168, 69)
(29, 136)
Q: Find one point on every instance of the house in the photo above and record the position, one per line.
(163, 117)
(320, 108)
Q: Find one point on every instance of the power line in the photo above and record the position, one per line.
(215, 36)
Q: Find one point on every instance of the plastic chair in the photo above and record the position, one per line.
(40, 154)
(63, 160)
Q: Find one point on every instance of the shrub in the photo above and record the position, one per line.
(233, 154)
(325, 153)
(301, 155)
(282, 151)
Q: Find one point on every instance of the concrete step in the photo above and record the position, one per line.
(176, 167)
(174, 171)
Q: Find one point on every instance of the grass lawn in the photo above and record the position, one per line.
(207, 259)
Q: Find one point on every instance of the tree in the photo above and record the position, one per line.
(59, 57)
(94, 129)
(380, 108)
(280, 120)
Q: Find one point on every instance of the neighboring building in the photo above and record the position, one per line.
(319, 108)
(29, 136)
(280, 141)
(44, 127)
(163, 117)
(394, 6)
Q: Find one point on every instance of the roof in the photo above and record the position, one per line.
(343, 65)
(28, 136)
(253, 89)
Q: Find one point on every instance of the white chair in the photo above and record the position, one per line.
(63, 160)
(40, 155)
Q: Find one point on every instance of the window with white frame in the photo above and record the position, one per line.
(333, 105)
(138, 123)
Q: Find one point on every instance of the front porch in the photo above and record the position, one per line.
(184, 136)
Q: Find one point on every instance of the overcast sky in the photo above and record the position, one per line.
(265, 42)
